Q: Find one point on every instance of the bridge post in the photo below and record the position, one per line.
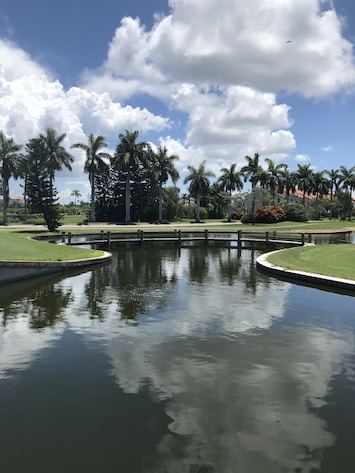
(179, 236)
(267, 238)
(141, 237)
(239, 238)
(302, 239)
(109, 239)
(206, 236)
(63, 237)
(309, 237)
(69, 238)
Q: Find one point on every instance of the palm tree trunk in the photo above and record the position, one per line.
(253, 203)
(198, 200)
(317, 207)
(128, 199)
(5, 200)
(92, 201)
(160, 217)
(350, 204)
(230, 207)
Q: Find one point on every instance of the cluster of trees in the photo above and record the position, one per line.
(129, 185)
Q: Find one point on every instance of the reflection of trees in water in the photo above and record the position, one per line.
(198, 264)
(44, 308)
(47, 306)
(135, 279)
(250, 273)
(95, 292)
(230, 265)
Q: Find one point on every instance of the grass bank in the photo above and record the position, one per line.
(328, 260)
(18, 246)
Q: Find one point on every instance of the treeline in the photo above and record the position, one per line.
(129, 185)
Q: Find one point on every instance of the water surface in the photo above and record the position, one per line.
(172, 361)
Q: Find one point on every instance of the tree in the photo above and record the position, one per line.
(287, 183)
(57, 156)
(162, 167)
(275, 174)
(76, 194)
(40, 193)
(128, 158)
(304, 175)
(199, 184)
(333, 186)
(347, 179)
(230, 180)
(320, 187)
(94, 163)
(9, 167)
(252, 172)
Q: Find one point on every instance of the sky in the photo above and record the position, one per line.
(211, 80)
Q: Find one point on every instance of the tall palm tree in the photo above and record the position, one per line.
(76, 194)
(347, 179)
(162, 167)
(304, 175)
(333, 187)
(57, 156)
(128, 158)
(274, 172)
(320, 187)
(199, 184)
(287, 182)
(230, 180)
(252, 172)
(9, 167)
(95, 163)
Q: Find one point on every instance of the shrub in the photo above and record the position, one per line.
(295, 212)
(237, 214)
(247, 218)
(270, 214)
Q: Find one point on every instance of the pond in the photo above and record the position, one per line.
(173, 360)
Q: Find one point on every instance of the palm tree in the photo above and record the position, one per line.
(57, 156)
(274, 172)
(347, 179)
(162, 167)
(287, 182)
(76, 194)
(230, 181)
(333, 186)
(95, 162)
(304, 176)
(252, 172)
(9, 167)
(320, 187)
(199, 184)
(128, 158)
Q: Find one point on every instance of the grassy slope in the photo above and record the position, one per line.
(17, 246)
(329, 260)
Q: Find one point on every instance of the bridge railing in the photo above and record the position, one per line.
(141, 236)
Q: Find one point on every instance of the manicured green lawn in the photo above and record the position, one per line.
(17, 246)
(329, 260)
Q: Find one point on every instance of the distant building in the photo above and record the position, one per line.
(17, 199)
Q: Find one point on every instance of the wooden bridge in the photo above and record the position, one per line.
(239, 239)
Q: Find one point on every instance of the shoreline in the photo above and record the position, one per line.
(303, 276)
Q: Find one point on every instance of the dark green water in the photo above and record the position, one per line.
(176, 361)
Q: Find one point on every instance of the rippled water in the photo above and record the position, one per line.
(176, 361)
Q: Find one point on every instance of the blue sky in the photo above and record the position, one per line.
(210, 80)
